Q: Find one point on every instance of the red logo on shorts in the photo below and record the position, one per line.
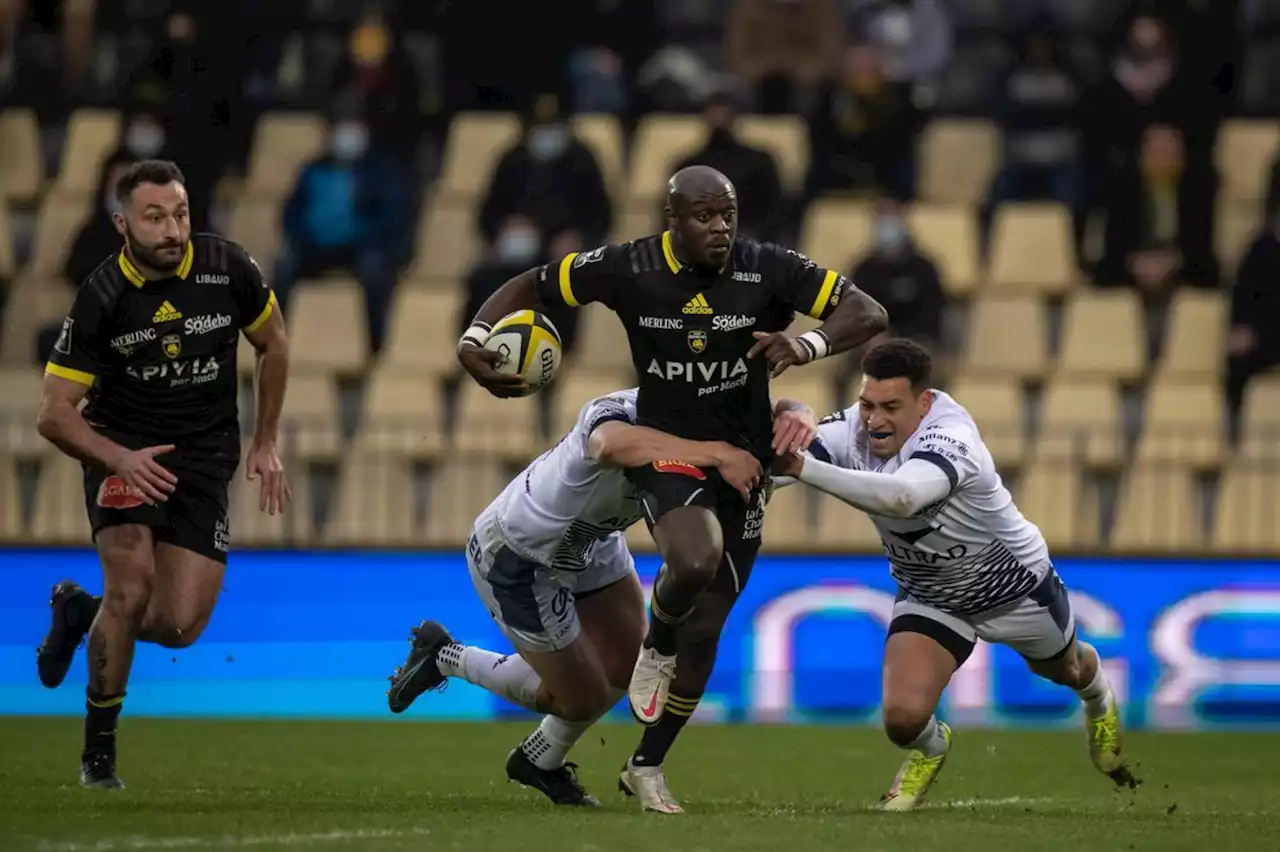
(114, 494)
(681, 467)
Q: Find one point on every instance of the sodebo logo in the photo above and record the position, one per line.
(206, 323)
(732, 322)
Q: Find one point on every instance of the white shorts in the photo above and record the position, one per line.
(534, 605)
(1039, 626)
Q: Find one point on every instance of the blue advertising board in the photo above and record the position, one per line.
(1188, 644)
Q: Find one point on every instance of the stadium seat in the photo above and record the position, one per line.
(602, 341)
(997, 406)
(790, 519)
(375, 504)
(403, 415)
(603, 136)
(59, 516)
(457, 492)
(91, 137)
(20, 398)
(958, 160)
(33, 303)
(255, 224)
(1260, 419)
(785, 137)
(448, 242)
(1183, 425)
(10, 506)
(806, 385)
(1157, 512)
(503, 428)
(1052, 495)
(309, 428)
(423, 328)
(476, 141)
(1245, 516)
(1080, 421)
(327, 326)
(282, 144)
(252, 527)
(1103, 335)
(660, 142)
(1195, 334)
(8, 263)
(842, 527)
(574, 387)
(1235, 227)
(636, 220)
(836, 232)
(1031, 249)
(948, 234)
(1008, 336)
(1244, 154)
(59, 220)
(22, 167)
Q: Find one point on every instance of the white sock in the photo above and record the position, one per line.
(550, 743)
(505, 675)
(930, 743)
(1097, 695)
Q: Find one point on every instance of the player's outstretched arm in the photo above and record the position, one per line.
(271, 377)
(795, 425)
(915, 485)
(623, 445)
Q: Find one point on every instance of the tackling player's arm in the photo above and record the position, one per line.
(850, 317)
(794, 426)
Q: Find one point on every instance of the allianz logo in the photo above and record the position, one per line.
(206, 323)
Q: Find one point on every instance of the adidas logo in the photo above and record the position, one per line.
(166, 313)
(697, 305)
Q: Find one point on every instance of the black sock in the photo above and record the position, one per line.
(102, 712)
(663, 628)
(658, 738)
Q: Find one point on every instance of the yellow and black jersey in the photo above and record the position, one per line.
(159, 356)
(690, 330)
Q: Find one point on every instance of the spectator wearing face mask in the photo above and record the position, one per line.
(348, 210)
(552, 179)
(752, 170)
(377, 76)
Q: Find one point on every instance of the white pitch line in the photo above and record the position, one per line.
(227, 841)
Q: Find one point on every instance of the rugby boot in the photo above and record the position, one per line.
(1106, 742)
(420, 671)
(72, 610)
(561, 785)
(98, 772)
(649, 785)
(650, 685)
(915, 777)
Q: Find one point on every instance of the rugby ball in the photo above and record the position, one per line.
(530, 346)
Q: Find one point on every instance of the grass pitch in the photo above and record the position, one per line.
(427, 786)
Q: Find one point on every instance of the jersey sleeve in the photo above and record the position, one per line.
(603, 410)
(803, 284)
(253, 295)
(953, 448)
(79, 353)
(584, 277)
(834, 443)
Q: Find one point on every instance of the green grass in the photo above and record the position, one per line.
(421, 786)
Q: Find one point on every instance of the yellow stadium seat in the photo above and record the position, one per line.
(1244, 154)
(785, 137)
(790, 518)
(448, 242)
(660, 142)
(958, 161)
(33, 303)
(1157, 512)
(1052, 495)
(282, 144)
(477, 140)
(457, 492)
(1194, 336)
(424, 328)
(1103, 335)
(836, 233)
(403, 414)
(1031, 249)
(21, 167)
(505, 428)
(997, 406)
(1260, 419)
(328, 329)
(573, 388)
(20, 391)
(1245, 517)
(1235, 227)
(252, 527)
(255, 224)
(309, 423)
(603, 136)
(91, 137)
(1080, 422)
(60, 219)
(948, 234)
(10, 508)
(843, 528)
(602, 341)
(1007, 337)
(803, 384)
(59, 516)
(8, 264)
(1183, 425)
(375, 504)
(635, 221)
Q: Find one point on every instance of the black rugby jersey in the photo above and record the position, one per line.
(160, 356)
(690, 331)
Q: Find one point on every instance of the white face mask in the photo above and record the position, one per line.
(547, 143)
(518, 246)
(144, 140)
(890, 233)
(349, 141)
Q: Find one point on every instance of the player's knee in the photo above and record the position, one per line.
(174, 630)
(903, 723)
(1065, 671)
(694, 561)
(126, 597)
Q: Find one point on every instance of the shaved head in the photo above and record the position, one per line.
(702, 213)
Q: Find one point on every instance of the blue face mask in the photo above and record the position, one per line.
(547, 143)
(518, 246)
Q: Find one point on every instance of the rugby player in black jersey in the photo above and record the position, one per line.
(706, 316)
(151, 342)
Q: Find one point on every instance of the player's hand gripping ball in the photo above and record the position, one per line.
(529, 347)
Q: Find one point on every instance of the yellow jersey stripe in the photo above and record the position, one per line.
(129, 270)
(824, 293)
(668, 253)
(566, 287)
(184, 268)
(262, 317)
(62, 372)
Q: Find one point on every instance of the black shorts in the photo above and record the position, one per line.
(193, 518)
(666, 485)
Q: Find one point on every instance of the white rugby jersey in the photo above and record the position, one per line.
(968, 553)
(564, 502)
